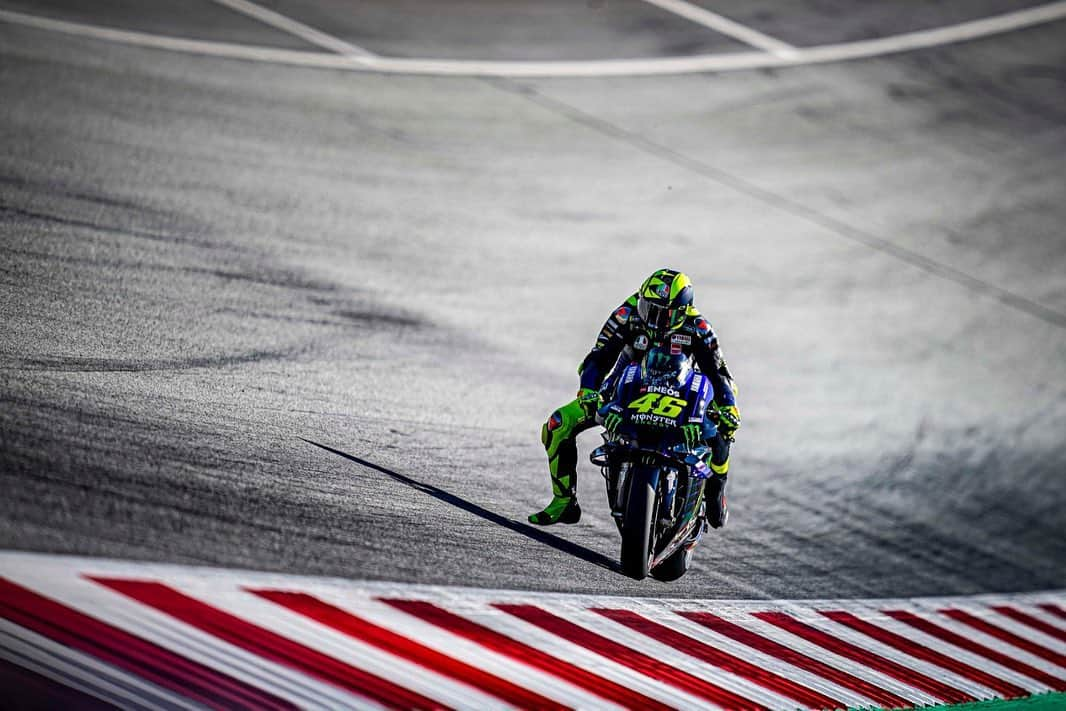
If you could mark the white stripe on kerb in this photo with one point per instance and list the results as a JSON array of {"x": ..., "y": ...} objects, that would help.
[
  {"x": 725, "y": 26},
  {"x": 923, "y": 39}
]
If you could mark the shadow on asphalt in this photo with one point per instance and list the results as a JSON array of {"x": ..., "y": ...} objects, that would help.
[{"x": 537, "y": 534}]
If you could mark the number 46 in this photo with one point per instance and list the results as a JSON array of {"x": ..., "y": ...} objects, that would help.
[{"x": 663, "y": 405}]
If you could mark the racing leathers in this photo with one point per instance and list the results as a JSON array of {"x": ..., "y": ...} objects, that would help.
[{"x": 624, "y": 339}]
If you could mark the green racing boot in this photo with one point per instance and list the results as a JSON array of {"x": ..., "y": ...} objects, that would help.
[{"x": 562, "y": 509}]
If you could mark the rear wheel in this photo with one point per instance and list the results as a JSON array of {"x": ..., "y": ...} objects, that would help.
[{"x": 637, "y": 524}]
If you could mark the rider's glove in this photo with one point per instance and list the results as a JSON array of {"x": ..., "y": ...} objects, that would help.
[
  {"x": 728, "y": 419},
  {"x": 589, "y": 400},
  {"x": 693, "y": 435}
]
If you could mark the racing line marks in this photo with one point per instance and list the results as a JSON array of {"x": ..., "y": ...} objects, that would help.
[
  {"x": 148, "y": 635},
  {"x": 352, "y": 58},
  {"x": 299, "y": 29},
  {"x": 727, "y": 27}
]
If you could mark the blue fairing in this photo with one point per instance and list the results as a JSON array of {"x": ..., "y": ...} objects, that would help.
[{"x": 695, "y": 393}]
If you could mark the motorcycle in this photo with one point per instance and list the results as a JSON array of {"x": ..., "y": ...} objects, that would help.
[{"x": 655, "y": 488}]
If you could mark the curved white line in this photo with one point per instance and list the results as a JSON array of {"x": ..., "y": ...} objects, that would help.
[{"x": 962, "y": 32}]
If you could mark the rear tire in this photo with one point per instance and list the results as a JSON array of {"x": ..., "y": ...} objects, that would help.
[{"x": 636, "y": 526}]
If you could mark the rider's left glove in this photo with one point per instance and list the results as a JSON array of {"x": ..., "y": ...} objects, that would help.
[
  {"x": 728, "y": 419},
  {"x": 589, "y": 400}
]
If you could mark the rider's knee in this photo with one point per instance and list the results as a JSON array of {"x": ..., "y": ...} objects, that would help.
[{"x": 552, "y": 429}]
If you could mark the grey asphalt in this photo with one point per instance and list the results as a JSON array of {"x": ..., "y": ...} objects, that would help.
[{"x": 310, "y": 321}]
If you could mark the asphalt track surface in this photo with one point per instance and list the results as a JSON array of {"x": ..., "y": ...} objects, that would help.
[{"x": 306, "y": 320}]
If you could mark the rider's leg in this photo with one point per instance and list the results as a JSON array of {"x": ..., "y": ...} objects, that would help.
[
  {"x": 717, "y": 511},
  {"x": 559, "y": 436}
]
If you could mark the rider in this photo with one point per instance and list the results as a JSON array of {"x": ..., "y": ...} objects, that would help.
[{"x": 660, "y": 313}]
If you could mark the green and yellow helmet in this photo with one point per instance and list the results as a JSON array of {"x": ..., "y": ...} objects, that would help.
[{"x": 663, "y": 302}]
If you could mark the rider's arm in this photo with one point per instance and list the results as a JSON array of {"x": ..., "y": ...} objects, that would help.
[
  {"x": 709, "y": 358},
  {"x": 609, "y": 345}
]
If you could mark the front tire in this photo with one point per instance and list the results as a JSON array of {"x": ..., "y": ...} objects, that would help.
[
  {"x": 675, "y": 566},
  {"x": 637, "y": 523}
]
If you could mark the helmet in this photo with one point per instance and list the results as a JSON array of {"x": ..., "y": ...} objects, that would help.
[
  {"x": 661, "y": 367},
  {"x": 663, "y": 302}
]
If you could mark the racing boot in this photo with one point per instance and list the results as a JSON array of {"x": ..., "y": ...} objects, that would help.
[
  {"x": 559, "y": 436},
  {"x": 717, "y": 510},
  {"x": 563, "y": 507}
]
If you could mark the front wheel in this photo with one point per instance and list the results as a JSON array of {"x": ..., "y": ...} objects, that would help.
[
  {"x": 637, "y": 523},
  {"x": 673, "y": 567}
]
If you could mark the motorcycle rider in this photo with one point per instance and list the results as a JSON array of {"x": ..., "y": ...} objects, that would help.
[{"x": 661, "y": 314}]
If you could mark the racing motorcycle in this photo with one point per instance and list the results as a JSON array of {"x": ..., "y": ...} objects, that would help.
[{"x": 655, "y": 482}]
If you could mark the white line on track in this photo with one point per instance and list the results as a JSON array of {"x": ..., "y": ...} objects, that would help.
[
  {"x": 287, "y": 24},
  {"x": 726, "y": 26},
  {"x": 923, "y": 39}
]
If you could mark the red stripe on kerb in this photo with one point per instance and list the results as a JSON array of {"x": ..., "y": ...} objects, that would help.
[
  {"x": 121, "y": 649},
  {"x": 919, "y": 651},
  {"x": 935, "y": 630},
  {"x": 718, "y": 658},
  {"x": 267, "y": 644},
  {"x": 1035, "y": 622},
  {"x": 502, "y": 644},
  {"x": 987, "y": 627},
  {"x": 1053, "y": 609},
  {"x": 401, "y": 646},
  {"x": 858, "y": 654},
  {"x": 796, "y": 659},
  {"x": 638, "y": 661}
]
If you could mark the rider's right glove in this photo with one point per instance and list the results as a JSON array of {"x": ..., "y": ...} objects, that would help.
[{"x": 693, "y": 435}]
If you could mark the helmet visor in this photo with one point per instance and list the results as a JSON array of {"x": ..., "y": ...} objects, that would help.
[{"x": 659, "y": 319}]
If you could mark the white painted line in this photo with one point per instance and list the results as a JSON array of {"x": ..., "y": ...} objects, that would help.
[
  {"x": 726, "y": 26},
  {"x": 661, "y": 66},
  {"x": 299, "y": 29}
]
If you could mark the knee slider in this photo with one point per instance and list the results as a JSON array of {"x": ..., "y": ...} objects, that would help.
[{"x": 553, "y": 425}]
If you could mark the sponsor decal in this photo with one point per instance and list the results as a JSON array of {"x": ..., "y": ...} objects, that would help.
[
  {"x": 622, "y": 314},
  {"x": 681, "y": 338},
  {"x": 702, "y": 325},
  {"x": 663, "y": 290},
  {"x": 652, "y": 420},
  {"x": 676, "y": 349},
  {"x": 554, "y": 421},
  {"x": 641, "y": 344},
  {"x": 661, "y": 389}
]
